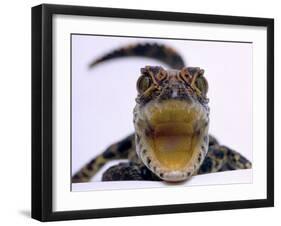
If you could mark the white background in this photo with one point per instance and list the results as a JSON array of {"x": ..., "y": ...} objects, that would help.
[
  {"x": 15, "y": 112},
  {"x": 103, "y": 97}
]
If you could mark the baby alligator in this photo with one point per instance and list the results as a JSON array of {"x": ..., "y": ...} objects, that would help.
[{"x": 171, "y": 119}]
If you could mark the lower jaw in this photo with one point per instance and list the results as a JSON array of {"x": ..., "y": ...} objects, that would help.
[{"x": 175, "y": 176}]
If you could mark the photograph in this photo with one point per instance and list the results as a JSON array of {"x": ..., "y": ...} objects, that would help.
[
  {"x": 140, "y": 112},
  {"x": 158, "y": 112}
]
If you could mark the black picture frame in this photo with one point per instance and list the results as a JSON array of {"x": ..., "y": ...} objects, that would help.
[{"x": 42, "y": 107}]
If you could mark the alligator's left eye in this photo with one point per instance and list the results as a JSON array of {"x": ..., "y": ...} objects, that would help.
[
  {"x": 143, "y": 83},
  {"x": 202, "y": 84}
]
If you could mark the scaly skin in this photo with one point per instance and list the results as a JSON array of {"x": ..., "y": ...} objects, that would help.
[{"x": 166, "y": 101}]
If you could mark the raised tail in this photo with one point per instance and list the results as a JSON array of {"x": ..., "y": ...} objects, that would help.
[
  {"x": 118, "y": 150},
  {"x": 155, "y": 51}
]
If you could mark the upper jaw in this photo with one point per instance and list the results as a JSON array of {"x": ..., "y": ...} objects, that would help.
[{"x": 189, "y": 117}]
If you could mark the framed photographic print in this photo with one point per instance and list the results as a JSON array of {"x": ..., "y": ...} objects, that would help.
[{"x": 145, "y": 112}]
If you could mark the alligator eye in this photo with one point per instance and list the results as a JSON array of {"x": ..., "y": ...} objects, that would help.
[
  {"x": 143, "y": 83},
  {"x": 202, "y": 84}
]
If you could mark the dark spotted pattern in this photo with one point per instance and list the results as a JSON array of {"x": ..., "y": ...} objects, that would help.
[
  {"x": 199, "y": 157},
  {"x": 108, "y": 154},
  {"x": 120, "y": 150},
  {"x": 156, "y": 51},
  {"x": 125, "y": 145},
  {"x": 129, "y": 171}
]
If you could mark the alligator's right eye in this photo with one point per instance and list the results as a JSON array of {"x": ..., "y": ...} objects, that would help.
[
  {"x": 143, "y": 83},
  {"x": 202, "y": 84}
]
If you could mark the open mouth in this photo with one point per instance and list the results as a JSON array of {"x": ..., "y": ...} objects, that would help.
[{"x": 175, "y": 133}]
